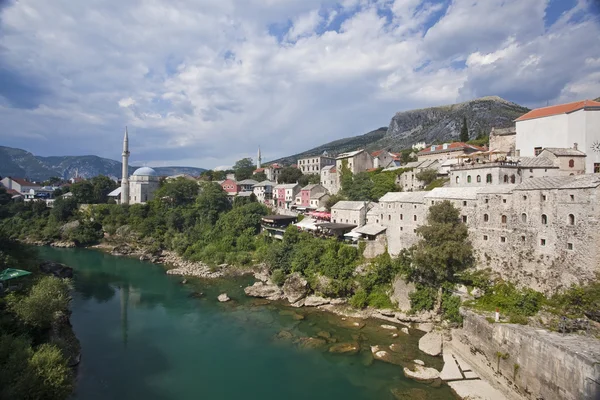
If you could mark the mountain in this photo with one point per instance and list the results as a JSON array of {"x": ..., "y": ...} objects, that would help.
[
  {"x": 21, "y": 163},
  {"x": 434, "y": 124}
]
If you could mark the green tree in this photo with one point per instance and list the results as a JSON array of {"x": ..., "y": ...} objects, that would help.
[
  {"x": 383, "y": 182},
  {"x": 289, "y": 175},
  {"x": 427, "y": 176},
  {"x": 332, "y": 200},
  {"x": 359, "y": 188},
  {"x": 211, "y": 202},
  {"x": 464, "y": 131},
  {"x": 243, "y": 169},
  {"x": 83, "y": 192},
  {"x": 4, "y": 197},
  {"x": 260, "y": 176},
  {"x": 178, "y": 192},
  {"x": 444, "y": 249},
  {"x": 64, "y": 208},
  {"x": 309, "y": 179}
]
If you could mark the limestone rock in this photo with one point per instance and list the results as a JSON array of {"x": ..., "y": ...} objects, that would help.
[
  {"x": 295, "y": 287},
  {"x": 260, "y": 289},
  {"x": 395, "y": 347},
  {"x": 121, "y": 250},
  {"x": 477, "y": 293},
  {"x": 314, "y": 301},
  {"x": 421, "y": 373},
  {"x": 418, "y": 362},
  {"x": 336, "y": 302},
  {"x": 425, "y": 327},
  {"x": 400, "y": 292},
  {"x": 57, "y": 269},
  {"x": 410, "y": 394},
  {"x": 431, "y": 343},
  {"x": 298, "y": 304},
  {"x": 310, "y": 343},
  {"x": 223, "y": 298},
  {"x": 345, "y": 348},
  {"x": 390, "y": 327},
  {"x": 284, "y": 335},
  {"x": 324, "y": 334},
  {"x": 322, "y": 283},
  {"x": 379, "y": 353},
  {"x": 404, "y": 330}
]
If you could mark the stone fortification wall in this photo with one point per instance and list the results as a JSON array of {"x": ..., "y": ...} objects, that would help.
[
  {"x": 534, "y": 363},
  {"x": 375, "y": 247},
  {"x": 504, "y": 140}
]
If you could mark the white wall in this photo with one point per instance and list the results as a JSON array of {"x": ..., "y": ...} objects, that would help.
[
  {"x": 592, "y": 121},
  {"x": 542, "y": 132}
]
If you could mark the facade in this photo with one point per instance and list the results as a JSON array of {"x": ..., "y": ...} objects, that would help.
[
  {"x": 408, "y": 180},
  {"x": 502, "y": 172},
  {"x": 247, "y": 185},
  {"x": 264, "y": 191},
  {"x": 330, "y": 179},
  {"x": 504, "y": 140},
  {"x": 303, "y": 199},
  {"x": 230, "y": 186},
  {"x": 350, "y": 212},
  {"x": 21, "y": 185},
  {"x": 445, "y": 151},
  {"x": 285, "y": 195},
  {"x": 271, "y": 171},
  {"x": 384, "y": 159},
  {"x": 568, "y": 161},
  {"x": 142, "y": 185},
  {"x": 318, "y": 200},
  {"x": 357, "y": 161},
  {"x": 314, "y": 165},
  {"x": 562, "y": 126}
]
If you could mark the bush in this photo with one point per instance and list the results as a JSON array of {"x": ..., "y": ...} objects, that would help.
[
  {"x": 450, "y": 308},
  {"x": 359, "y": 299},
  {"x": 423, "y": 298},
  {"x": 578, "y": 301},
  {"x": 278, "y": 277},
  {"x": 378, "y": 298},
  {"x": 510, "y": 300}
]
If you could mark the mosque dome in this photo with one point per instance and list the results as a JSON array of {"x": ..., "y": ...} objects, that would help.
[{"x": 145, "y": 171}]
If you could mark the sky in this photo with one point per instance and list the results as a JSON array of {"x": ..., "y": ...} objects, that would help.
[{"x": 205, "y": 82}]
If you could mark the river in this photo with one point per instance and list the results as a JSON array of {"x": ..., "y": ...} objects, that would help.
[{"x": 144, "y": 336}]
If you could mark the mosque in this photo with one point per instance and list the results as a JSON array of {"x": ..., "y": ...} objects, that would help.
[{"x": 137, "y": 188}]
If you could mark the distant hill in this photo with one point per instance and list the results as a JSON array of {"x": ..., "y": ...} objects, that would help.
[
  {"x": 21, "y": 163},
  {"x": 428, "y": 125}
]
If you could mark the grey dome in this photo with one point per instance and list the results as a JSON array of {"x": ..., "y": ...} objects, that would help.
[{"x": 145, "y": 171}]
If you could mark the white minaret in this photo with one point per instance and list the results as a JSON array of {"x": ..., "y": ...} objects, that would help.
[
  {"x": 125, "y": 173},
  {"x": 259, "y": 159}
]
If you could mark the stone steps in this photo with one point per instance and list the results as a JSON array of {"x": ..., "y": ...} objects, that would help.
[{"x": 466, "y": 384}]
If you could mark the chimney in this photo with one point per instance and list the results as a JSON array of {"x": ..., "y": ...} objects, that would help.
[
  {"x": 518, "y": 153},
  {"x": 575, "y": 146}
]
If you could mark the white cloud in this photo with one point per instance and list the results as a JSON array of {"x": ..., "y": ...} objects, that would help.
[{"x": 206, "y": 81}]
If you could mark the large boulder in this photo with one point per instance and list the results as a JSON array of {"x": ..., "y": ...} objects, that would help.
[
  {"x": 263, "y": 290},
  {"x": 431, "y": 343},
  {"x": 57, "y": 269},
  {"x": 423, "y": 374},
  {"x": 223, "y": 298},
  {"x": 345, "y": 348},
  {"x": 121, "y": 250},
  {"x": 295, "y": 287},
  {"x": 400, "y": 293},
  {"x": 314, "y": 301},
  {"x": 384, "y": 354}
]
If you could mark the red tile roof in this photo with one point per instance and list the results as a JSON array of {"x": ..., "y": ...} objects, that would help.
[
  {"x": 456, "y": 146},
  {"x": 558, "y": 109},
  {"x": 376, "y": 153},
  {"x": 24, "y": 182},
  {"x": 256, "y": 171},
  {"x": 12, "y": 192}
]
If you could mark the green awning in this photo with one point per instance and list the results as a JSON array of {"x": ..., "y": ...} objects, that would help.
[{"x": 11, "y": 273}]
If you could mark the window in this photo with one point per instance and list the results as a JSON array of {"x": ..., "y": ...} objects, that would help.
[
  {"x": 572, "y": 197},
  {"x": 513, "y": 179},
  {"x": 464, "y": 219},
  {"x": 502, "y": 239},
  {"x": 485, "y": 237},
  {"x": 537, "y": 151},
  {"x": 522, "y": 238},
  {"x": 569, "y": 246},
  {"x": 458, "y": 179},
  {"x": 571, "y": 219},
  {"x": 389, "y": 217},
  {"x": 401, "y": 228},
  {"x": 432, "y": 202},
  {"x": 544, "y": 219},
  {"x": 468, "y": 178},
  {"x": 415, "y": 206},
  {"x": 504, "y": 200},
  {"x": 464, "y": 203},
  {"x": 505, "y": 178},
  {"x": 524, "y": 197},
  {"x": 596, "y": 168},
  {"x": 478, "y": 178},
  {"x": 571, "y": 163},
  {"x": 488, "y": 178},
  {"x": 487, "y": 201},
  {"x": 486, "y": 218},
  {"x": 524, "y": 218},
  {"x": 542, "y": 242},
  {"x": 414, "y": 217},
  {"x": 504, "y": 219},
  {"x": 401, "y": 217},
  {"x": 414, "y": 231},
  {"x": 544, "y": 197}
]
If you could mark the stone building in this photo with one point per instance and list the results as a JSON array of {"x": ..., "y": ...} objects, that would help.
[
  {"x": 384, "y": 159},
  {"x": 445, "y": 151},
  {"x": 562, "y": 126},
  {"x": 568, "y": 161},
  {"x": 284, "y": 195},
  {"x": 264, "y": 191},
  {"x": 330, "y": 179},
  {"x": 357, "y": 161},
  {"x": 408, "y": 180},
  {"x": 504, "y": 140},
  {"x": 308, "y": 193},
  {"x": 350, "y": 212},
  {"x": 247, "y": 185},
  {"x": 313, "y": 165},
  {"x": 142, "y": 185},
  {"x": 542, "y": 233}
]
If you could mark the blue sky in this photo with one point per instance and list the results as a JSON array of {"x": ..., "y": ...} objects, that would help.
[{"x": 204, "y": 82}]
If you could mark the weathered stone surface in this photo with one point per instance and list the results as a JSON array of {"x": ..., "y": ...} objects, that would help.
[
  {"x": 322, "y": 283},
  {"x": 418, "y": 362},
  {"x": 477, "y": 293},
  {"x": 424, "y": 327},
  {"x": 470, "y": 375},
  {"x": 65, "y": 244},
  {"x": 476, "y": 390},
  {"x": 404, "y": 330},
  {"x": 314, "y": 301},
  {"x": 295, "y": 287},
  {"x": 345, "y": 348},
  {"x": 284, "y": 335},
  {"x": 410, "y": 394},
  {"x": 336, "y": 302},
  {"x": 310, "y": 343},
  {"x": 401, "y": 291},
  {"x": 324, "y": 334},
  {"x": 431, "y": 344},
  {"x": 298, "y": 304},
  {"x": 57, "y": 269},
  {"x": 390, "y": 327},
  {"x": 260, "y": 289},
  {"x": 294, "y": 315},
  {"x": 380, "y": 353},
  {"x": 223, "y": 298},
  {"x": 395, "y": 347},
  {"x": 122, "y": 250},
  {"x": 450, "y": 372},
  {"x": 421, "y": 373}
]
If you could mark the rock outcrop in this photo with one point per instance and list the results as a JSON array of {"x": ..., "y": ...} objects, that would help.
[
  {"x": 223, "y": 298},
  {"x": 400, "y": 293},
  {"x": 345, "y": 348},
  {"x": 263, "y": 290},
  {"x": 421, "y": 373},
  {"x": 295, "y": 287},
  {"x": 431, "y": 343},
  {"x": 315, "y": 301},
  {"x": 57, "y": 269}
]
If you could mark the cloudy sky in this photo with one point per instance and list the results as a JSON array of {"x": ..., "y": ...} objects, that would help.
[{"x": 204, "y": 82}]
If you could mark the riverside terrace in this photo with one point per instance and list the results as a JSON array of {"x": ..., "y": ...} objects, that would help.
[{"x": 276, "y": 225}]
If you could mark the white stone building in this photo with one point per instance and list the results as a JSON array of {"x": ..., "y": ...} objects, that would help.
[
  {"x": 357, "y": 161},
  {"x": 384, "y": 159},
  {"x": 142, "y": 185},
  {"x": 504, "y": 140},
  {"x": 21, "y": 185},
  {"x": 446, "y": 151},
  {"x": 313, "y": 165},
  {"x": 330, "y": 179},
  {"x": 562, "y": 126},
  {"x": 264, "y": 191},
  {"x": 408, "y": 180},
  {"x": 350, "y": 212}
]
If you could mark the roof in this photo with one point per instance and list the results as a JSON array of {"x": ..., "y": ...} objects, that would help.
[
  {"x": 145, "y": 171},
  {"x": 566, "y": 152},
  {"x": 546, "y": 182},
  {"x": 407, "y": 197},
  {"x": 245, "y": 194},
  {"x": 13, "y": 192},
  {"x": 447, "y": 147},
  {"x": 248, "y": 182},
  {"x": 311, "y": 186},
  {"x": 335, "y": 226},
  {"x": 349, "y": 205},
  {"x": 318, "y": 195},
  {"x": 535, "y": 162},
  {"x": 256, "y": 171},
  {"x": 349, "y": 154},
  {"x": 286, "y": 186},
  {"x": 272, "y": 218},
  {"x": 265, "y": 183},
  {"x": 559, "y": 109},
  {"x": 115, "y": 193},
  {"x": 23, "y": 182},
  {"x": 454, "y": 193},
  {"x": 370, "y": 229},
  {"x": 583, "y": 182},
  {"x": 329, "y": 167}
]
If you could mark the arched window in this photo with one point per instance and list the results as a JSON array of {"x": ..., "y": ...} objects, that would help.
[
  {"x": 468, "y": 178},
  {"x": 478, "y": 178},
  {"x": 488, "y": 178},
  {"x": 457, "y": 179},
  {"x": 505, "y": 178},
  {"x": 544, "y": 219},
  {"x": 571, "y": 163},
  {"x": 504, "y": 219},
  {"x": 571, "y": 219},
  {"x": 513, "y": 179},
  {"x": 523, "y": 217},
  {"x": 486, "y": 217}
]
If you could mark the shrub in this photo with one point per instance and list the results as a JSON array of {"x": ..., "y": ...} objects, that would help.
[
  {"x": 378, "y": 298},
  {"x": 510, "y": 300},
  {"x": 450, "y": 308},
  {"x": 423, "y": 298},
  {"x": 278, "y": 277},
  {"x": 359, "y": 299}
]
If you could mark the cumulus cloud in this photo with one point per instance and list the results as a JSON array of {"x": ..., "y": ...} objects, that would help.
[{"x": 204, "y": 82}]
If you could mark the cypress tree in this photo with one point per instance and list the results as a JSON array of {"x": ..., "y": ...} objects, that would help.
[{"x": 464, "y": 132}]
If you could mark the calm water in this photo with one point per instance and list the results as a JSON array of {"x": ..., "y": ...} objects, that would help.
[{"x": 144, "y": 337}]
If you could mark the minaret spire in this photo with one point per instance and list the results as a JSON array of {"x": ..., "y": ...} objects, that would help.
[
  {"x": 259, "y": 159},
  {"x": 125, "y": 170}
]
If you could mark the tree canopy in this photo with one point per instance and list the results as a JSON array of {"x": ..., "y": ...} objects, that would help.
[
  {"x": 289, "y": 175},
  {"x": 464, "y": 131},
  {"x": 243, "y": 169},
  {"x": 94, "y": 190},
  {"x": 179, "y": 191}
]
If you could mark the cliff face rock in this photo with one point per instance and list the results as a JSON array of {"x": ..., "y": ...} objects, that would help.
[{"x": 444, "y": 123}]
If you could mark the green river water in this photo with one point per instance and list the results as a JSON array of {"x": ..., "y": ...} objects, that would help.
[{"x": 144, "y": 336}]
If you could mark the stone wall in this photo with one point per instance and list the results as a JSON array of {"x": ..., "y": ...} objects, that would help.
[
  {"x": 375, "y": 247},
  {"x": 528, "y": 362},
  {"x": 503, "y": 140}
]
